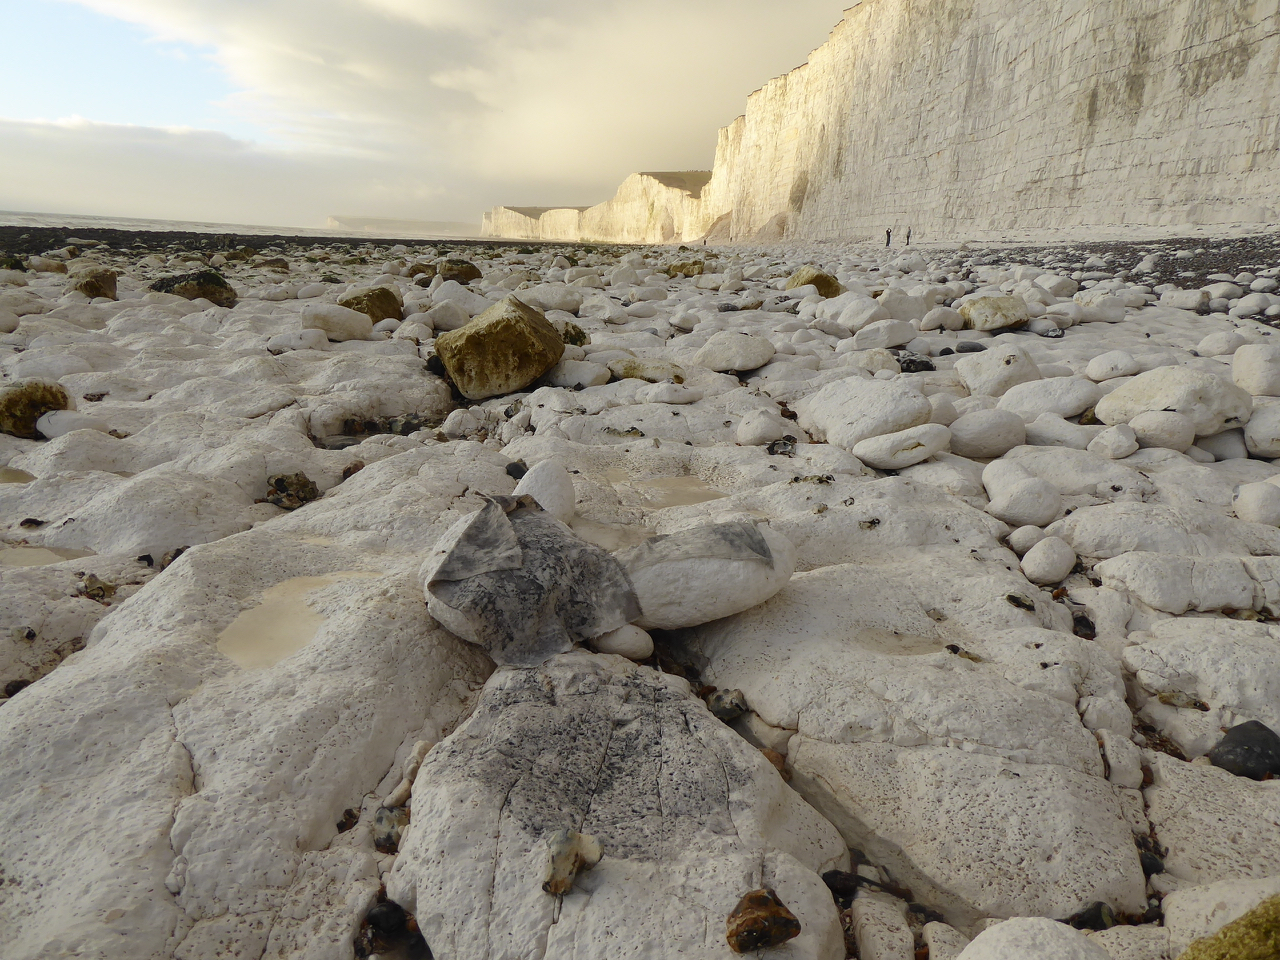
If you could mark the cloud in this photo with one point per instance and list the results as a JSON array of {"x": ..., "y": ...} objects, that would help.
[{"x": 438, "y": 108}]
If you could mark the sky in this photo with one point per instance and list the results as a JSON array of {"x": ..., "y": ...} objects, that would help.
[{"x": 284, "y": 112}]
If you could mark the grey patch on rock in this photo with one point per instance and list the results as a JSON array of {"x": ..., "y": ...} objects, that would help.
[
  {"x": 518, "y": 583},
  {"x": 388, "y": 825},
  {"x": 736, "y": 540}
]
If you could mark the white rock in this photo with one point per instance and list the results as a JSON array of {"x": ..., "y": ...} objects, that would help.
[
  {"x": 1161, "y": 428},
  {"x": 849, "y": 411},
  {"x": 1115, "y": 443},
  {"x": 706, "y": 573},
  {"x": 8, "y": 321},
  {"x": 551, "y": 485},
  {"x": 56, "y": 423},
  {"x": 894, "y": 451},
  {"x": 880, "y": 928},
  {"x": 465, "y": 298},
  {"x": 1017, "y": 497},
  {"x": 1213, "y": 404},
  {"x": 1228, "y": 445},
  {"x": 1262, "y": 432},
  {"x": 985, "y": 434},
  {"x": 337, "y": 323},
  {"x": 995, "y": 370},
  {"x": 448, "y": 315},
  {"x": 904, "y": 306},
  {"x": 555, "y": 296},
  {"x": 942, "y": 318},
  {"x": 760, "y": 427},
  {"x": 944, "y": 411},
  {"x": 1050, "y": 430},
  {"x": 1197, "y": 300},
  {"x": 1224, "y": 343},
  {"x": 995, "y": 313},
  {"x": 577, "y": 373},
  {"x": 733, "y": 350},
  {"x": 1024, "y": 538},
  {"x": 861, "y": 312},
  {"x": 460, "y": 423},
  {"x": 1257, "y": 503},
  {"x": 629, "y": 641},
  {"x": 1024, "y": 938},
  {"x": 884, "y": 334},
  {"x": 1114, "y": 363},
  {"x": 1063, "y": 396},
  {"x": 1255, "y": 368},
  {"x": 1049, "y": 561}
]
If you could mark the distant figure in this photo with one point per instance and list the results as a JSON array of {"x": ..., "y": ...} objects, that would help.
[
  {"x": 908, "y": 236},
  {"x": 888, "y": 238}
]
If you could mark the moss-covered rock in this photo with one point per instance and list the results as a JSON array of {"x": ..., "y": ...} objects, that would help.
[
  {"x": 23, "y": 402},
  {"x": 95, "y": 282},
  {"x": 378, "y": 303},
  {"x": 570, "y": 332},
  {"x": 464, "y": 271},
  {"x": 207, "y": 284},
  {"x": 687, "y": 268},
  {"x": 827, "y": 285},
  {"x": 1255, "y": 936},
  {"x": 427, "y": 270},
  {"x": 504, "y": 349}
]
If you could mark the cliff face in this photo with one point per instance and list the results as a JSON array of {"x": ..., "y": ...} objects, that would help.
[{"x": 955, "y": 116}]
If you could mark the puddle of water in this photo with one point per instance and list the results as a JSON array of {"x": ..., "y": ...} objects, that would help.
[
  {"x": 38, "y": 556},
  {"x": 13, "y": 475},
  {"x": 609, "y": 536},
  {"x": 881, "y": 640},
  {"x": 661, "y": 492},
  {"x": 281, "y": 623}
]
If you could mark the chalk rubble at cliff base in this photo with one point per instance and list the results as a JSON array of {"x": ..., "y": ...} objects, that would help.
[{"x": 973, "y": 558}]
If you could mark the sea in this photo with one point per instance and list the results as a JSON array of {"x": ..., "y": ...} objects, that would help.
[{"x": 337, "y": 227}]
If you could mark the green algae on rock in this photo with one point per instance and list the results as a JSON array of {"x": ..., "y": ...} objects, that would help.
[
  {"x": 504, "y": 349},
  {"x": 1255, "y": 936},
  {"x": 24, "y": 402},
  {"x": 207, "y": 284},
  {"x": 378, "y": 303}
]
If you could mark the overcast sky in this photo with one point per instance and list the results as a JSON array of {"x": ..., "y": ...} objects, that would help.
[{"x": 282, "y": 112}]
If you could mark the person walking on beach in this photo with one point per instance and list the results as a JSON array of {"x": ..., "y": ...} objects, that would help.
[{"x": 888, "y": 238}]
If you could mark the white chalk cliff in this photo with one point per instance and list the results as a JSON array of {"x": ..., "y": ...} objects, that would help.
[{"x": 977, "y": 116}]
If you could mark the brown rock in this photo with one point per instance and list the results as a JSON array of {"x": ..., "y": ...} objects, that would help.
[
  {"x": 378, "y": 303},
  {"x": 504, "y": 349},
  {"x": 24, "y": 402},
  {"x": 828, "y": 286},
  {"x": 427, "y": 270},
  {"x": 760, "y": 921},
  {"x": 688, "y": 268},
  {"x": 464, "y": 271},
  {"x": 207, "y": 284},
  {"x": 95, "y": 282}
]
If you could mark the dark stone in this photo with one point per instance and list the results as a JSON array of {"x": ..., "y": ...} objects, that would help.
[
  {"x": 786, "y": 447},
  {"x": 388, "y": 823},
  {"x": 516, "y": 469},
  {"x": 351, "y": 469},
  {"x": 946, "y": 352},
  {"x": 914, "y": 363},
  {"x": 389, "y": 930},
  {"x": 1097, "y": 916},
  {"x": 843, "y": 886},
  {"x": 1151, "y": 864},
  {"x": 171, "y": 556},
  {"x": 13, "y": 263},
  {"x": 339, "y": 442},
  {"x": 760, "y": 921},
  {"x": 350, "y": 817},
  {"x": 31, "y": 523},
  {"x": 14, "y": 687},
  {"x": 1057, "y": 334},
  {"x": 1248, "y": 750},
  {"x": 727, "y": 705},
  {"x": 209, "y": 284},
  {"x": 291, "y": 490},
  {"x": 969, "y": 346}
]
